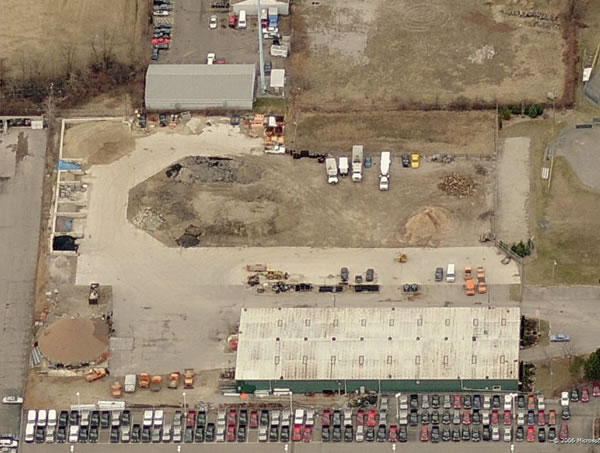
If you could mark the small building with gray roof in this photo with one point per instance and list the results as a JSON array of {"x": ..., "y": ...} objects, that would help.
[
  {"x": 181, "y": 87},
  {"x": 388, "y": 349}
]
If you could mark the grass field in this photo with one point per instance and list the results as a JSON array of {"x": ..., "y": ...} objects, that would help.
[
  {"x": 357, "y": 54},
  {"x": 43, "y": 37}
]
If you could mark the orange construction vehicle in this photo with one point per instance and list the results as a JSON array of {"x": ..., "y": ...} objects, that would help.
[
  {"x": 188, "y": 378},
  {"x": 156, "y": 383},
  {"x": 470, "y": 287},
  {"x": 116, "y": 390},
  {"x": 468, "y": 273},
  {"x": 94, "y": 374},
  {"x": 481, "y": 285},
  {"x": 174, "y": 379},
  {"x": 144, "y": 380}
]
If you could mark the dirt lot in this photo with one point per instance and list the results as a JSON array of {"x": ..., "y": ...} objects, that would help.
[
  {"x": 40, "y": 37},
  {"x": 402, "y": 52},
  {"x": 278, "y": 201},
  {"x": 408, "y": 131},
  {"x": 99, "y": 142}
]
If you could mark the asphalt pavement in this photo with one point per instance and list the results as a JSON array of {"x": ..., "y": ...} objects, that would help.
[{"x": 20, "y": 208}]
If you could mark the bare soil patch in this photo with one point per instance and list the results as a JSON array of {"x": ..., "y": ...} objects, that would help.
[
  {"x": 100, "y": 142},
  {"x": 278, "y": 201}
]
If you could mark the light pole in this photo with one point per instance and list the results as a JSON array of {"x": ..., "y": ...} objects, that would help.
[
  {"x": 78, "y": 401},
  {"x": 554, "y": 264},
  {"x": 184, "y": 405},
  {"x": 394, "y": 446},
  {"x": 512, "y": 447}
]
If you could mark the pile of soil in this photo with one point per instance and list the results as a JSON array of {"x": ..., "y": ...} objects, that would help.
[
  {"x": 199, "y": 169},
  {"x": 426, "y": 224},
  {"x": 74, "y": 341}
]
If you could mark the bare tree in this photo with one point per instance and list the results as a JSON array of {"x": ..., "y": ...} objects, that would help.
[
  {"x": 68, "y": 54},
  {"x": 102, "y": 45}
]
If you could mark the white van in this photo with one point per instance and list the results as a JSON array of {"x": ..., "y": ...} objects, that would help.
[
  {"x": 29, "y": 432},
  {"x": 41, "y": 418},
  {"x": 52, "y": 417},
  {"x": 450, "y": 274},
  {"x": 242, "y": 19},
  {"x": 31, "y": 416}
]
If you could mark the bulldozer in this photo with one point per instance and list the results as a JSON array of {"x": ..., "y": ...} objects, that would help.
[
  {"x": 174, "y": 380},
  {"x": 144, "y": 380},
  {"x": 116, "y": 390},
  {"x": 94, "y": 374},
  {"x": 156, "y": 383},
  {"x": 188, "y": 378},
  {"x": 401, "y": 258}
]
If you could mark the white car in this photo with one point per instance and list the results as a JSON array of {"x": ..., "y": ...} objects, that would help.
[
  {"x": 148, "y": 418},
  {"x": 73, "y": 434},
  {"x": 495, "y": 434},
  {"x": 52, "y": 417},
  {"x": 299, "y": 417},
  {"x": 507, "y": 434},
  {"x": 12, "y": 400},
  {"x": 541, "y": 403},
  {"x": 160, "y": 13},
  {"x": 564, "y": 399},
  {"x": 508, "y": 399},
  {"x": 158, "y": 418},
  {"x": 487, "y": 401},
  {"x": 41, "y": 418},
  {"x": 213, "y": 22},
  {"x": 521, "y": 419},
  {"x": 210, "y": 58},
  {"x": 485, "y": 415},
  {"x": 360, "y": 433}
]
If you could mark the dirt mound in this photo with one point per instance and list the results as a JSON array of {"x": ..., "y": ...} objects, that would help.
[
  {"x": 74, "y": 341},
  {"x": 426, "y": 224}
]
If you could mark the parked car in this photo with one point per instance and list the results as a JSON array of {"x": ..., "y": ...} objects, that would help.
[
  {"x": 344, "y": 274},
  {"x": 551, "y": 434},
  {"x": 405, "y": 160},
  {"x": 213, "y": 22},
  {"x": 268, "y": 66},
  {"x": 560, "y": 338},
  {"x": 495, "y": 434},
  {"x": 541, "y": 435},
  {"x": 596, "y": 389},
  {"x": 210, "y": 58},
  {"x": 530, "y": 434},
  {"x": 574, "y": 395},
  {"x": 585, "y": 395},
  {"x": 564, "y": 431},
  {"x": 424, "y": 436},
  {"x": 467, "y": 402},
  {"x": 520, "y": 434},
  {"x": 368, "y": 162},
  {"x": 11, "y": 399}
]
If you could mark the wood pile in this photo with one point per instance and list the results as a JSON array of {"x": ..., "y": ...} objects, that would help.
[{"x": 457, "y": 185}]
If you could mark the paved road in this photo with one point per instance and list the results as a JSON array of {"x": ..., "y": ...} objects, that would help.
[
  {"x": 20, "y": 208},
  {"x": 315, "y": 447}
]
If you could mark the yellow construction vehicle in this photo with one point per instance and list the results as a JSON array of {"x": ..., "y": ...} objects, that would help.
[
  {"x": 401, "y": 258},
  {"x": 116, "y": 390}
]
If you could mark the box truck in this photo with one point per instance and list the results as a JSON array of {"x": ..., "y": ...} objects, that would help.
[
  {"x": 357, "y": 159},
  {"x": 331, "y": 168}
]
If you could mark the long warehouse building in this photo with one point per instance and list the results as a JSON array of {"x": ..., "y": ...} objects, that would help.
[{"x": 389, "y": 349}]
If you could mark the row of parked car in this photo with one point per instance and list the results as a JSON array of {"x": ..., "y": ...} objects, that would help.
[{"x": 161, "y": 34}]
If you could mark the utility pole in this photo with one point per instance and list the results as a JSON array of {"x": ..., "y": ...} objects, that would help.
[{"x": 263, "y": 87}]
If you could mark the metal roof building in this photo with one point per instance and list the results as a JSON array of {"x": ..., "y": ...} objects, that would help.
[
  {"x": 177, "y": 87},
  {"x": 381, "y": 349}
]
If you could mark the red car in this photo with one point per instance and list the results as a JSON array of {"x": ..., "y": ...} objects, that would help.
[
  {"x": 530, "y": 434},
  {"x": 253, "y": 419},
  {"x": 424, "y": 434},
  {"x": 507, "y": 418},
  {"x": 231, "y": 433},
  {"x": 541, "y": 418},
  {"x": 585, "y": 395},
  {"x": 360, "y": 417},
  {"x": 191, "y": 419},
  {"x": 530, "y": 403},
  {"x": 371, "y": 418},
  {"x": 231, "y": 417},
  {"x": 564, "y": 431},
  {"x": 552, "y": 417},
  {"x": 596, "y": 389},
  {"x": 307, "y": 434},
  {"x": 297, "y": 433},
  {"x": 457, "y": 402},
  {"x": 326, "y": 418},
  {"x": 494, "y": 418},
  {"x": 393, "y": 434},
  {"x": 466, "y": 418}
]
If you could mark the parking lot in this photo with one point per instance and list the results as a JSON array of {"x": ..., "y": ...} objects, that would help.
[{"x": 423, "y": 418}]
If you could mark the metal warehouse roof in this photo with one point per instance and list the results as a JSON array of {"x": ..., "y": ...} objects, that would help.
[
  {"x": 378, "y": 343},
  {"x": 187, "y": 84}
]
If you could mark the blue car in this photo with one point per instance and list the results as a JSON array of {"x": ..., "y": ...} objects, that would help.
[{"x": 368, "y": 162}]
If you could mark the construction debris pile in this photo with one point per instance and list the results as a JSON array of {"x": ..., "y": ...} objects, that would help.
[
  {"x": 443, "y": 158},
  {"x": 272, "y": 129},
  {"x": 457, "y": 185},
  {"x": 540, "y": 19}
]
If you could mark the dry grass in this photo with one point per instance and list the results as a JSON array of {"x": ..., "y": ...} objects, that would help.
[{"x": 553, "y": 376}]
